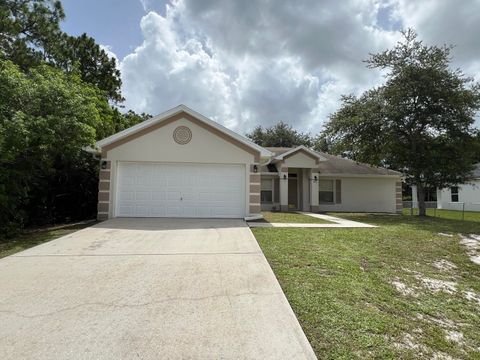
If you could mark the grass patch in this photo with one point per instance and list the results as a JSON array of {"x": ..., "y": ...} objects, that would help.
[
  {"x": 447, "y": 214},
  {"x": 346, "y": 286},
  {"x": 289, "y": 217},
  {"x": 37, "y": 237}
]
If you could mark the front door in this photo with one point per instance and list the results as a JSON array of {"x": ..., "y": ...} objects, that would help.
[{"x": 292, "y": 192}]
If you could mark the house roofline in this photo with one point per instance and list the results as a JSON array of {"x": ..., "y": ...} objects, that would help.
[
  {"x": 339, "y": 175},
  {"x": 174, "y": 111},
  {"x": 299, "y": 148}
]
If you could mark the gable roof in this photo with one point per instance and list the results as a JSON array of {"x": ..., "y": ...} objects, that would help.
[
  {"x": 291, "y": 151},
  {"x": 175, "y": 111},
  {"x": 336, "y": 165}
]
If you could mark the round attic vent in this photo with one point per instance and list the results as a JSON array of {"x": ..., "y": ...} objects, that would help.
[{"x": 182, "y": 135}]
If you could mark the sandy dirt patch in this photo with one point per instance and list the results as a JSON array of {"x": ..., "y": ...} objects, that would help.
[
  {"x": 437, "y": 285},
  {"x": 454, "y": 336},
  {"x": 403, "y": 289},
  {"x": 444, "y": 265},
  {"x": 472, "y": 243},
  {"x": 470, "y": 295}
]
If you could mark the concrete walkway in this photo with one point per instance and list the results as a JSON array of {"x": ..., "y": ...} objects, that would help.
[
  {"x": 147, "y": 289},
  {"x": 337, "y": 223}
]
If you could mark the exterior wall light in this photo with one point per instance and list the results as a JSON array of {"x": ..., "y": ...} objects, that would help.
[
  {"x": 103, "y": 165},
  {"x": 284, "y": 176},
  {"x": 255, "y": 168}
]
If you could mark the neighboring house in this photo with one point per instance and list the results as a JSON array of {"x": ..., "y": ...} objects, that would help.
[
  {"x": 181, "y": 164},
  {"x": 463, "y": 196}
]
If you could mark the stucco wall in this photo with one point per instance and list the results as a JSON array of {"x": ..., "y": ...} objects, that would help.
[
  {"x": 299, "y": 160},
  {"x": 365, "y": 195},
  {"x": 467, "y": 193},
  {"x": 159, "y": 146}
]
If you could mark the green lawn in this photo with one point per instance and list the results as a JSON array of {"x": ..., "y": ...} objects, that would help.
[
  {"x": 290, "y": 217},
  {"x": 29, "y": 239},
  {"x": 448, "y": 214},
  {"x": 399, "y": 291}
]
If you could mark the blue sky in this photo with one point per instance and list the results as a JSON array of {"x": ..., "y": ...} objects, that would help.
[
  {"x": 110, "y": 22},
  {"x": 245, "y": 63}
]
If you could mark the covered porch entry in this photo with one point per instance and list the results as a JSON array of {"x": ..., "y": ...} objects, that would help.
[{"x": 290, "y": 181}]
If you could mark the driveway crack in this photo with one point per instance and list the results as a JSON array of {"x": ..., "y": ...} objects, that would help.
[{"x": 146, "y": 304}]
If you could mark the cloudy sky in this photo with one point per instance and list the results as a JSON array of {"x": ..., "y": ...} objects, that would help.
[{"x": 248, "y": 63}]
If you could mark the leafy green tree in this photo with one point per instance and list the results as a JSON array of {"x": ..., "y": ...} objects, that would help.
[
  {"x": 322, "y": 143},
  {"x": 30, "y": 34},
  {"x": 55, "y": 94},
  {"x": 421, "y": 121},
  {"x": 279, "y": 135},
  {"x": 129, "y": 119},
  {"x": 29, "y": 30},
  {"x": 46, "y": 118},
  {"x": 83, "y": 54}
]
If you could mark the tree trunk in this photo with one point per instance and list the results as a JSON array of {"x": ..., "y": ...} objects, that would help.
[{"x": 422, "y": 210}]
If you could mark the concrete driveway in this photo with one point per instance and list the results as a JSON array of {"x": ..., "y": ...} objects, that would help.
[{"x": 147, "y": 289}]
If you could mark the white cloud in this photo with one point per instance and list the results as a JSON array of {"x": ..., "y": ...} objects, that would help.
[{"x": 250, "y": 63}]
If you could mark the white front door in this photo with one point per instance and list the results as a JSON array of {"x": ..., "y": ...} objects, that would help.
[{"x": 180, "y": 190}]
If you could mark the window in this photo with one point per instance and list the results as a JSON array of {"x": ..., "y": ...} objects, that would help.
[
  {"x": 325, "y": 193},
  {"x": 266, "y": 191},
  {"x": 454, "y": 191}
]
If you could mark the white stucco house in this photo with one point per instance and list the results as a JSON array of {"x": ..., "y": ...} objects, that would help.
[
  {"x": 182, "y": 164},
  {"x": 463, "y": 196}
]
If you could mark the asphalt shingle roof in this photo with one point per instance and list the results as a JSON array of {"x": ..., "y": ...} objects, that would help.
[{"x": 339, "y": 165}]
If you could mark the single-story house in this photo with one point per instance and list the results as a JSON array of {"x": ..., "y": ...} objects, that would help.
[
  {"x": 463, "y": 196},
  {"x": 182, "y": 164}
]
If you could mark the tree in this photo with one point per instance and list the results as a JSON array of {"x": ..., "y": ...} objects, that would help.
[
  {"x": 421, "y": 121},
  {"x": 94, "y": 65},
  {"x": 30, "y": 34},
  {"x": 55, "y": 99},
  {"x": 279, "y": 135},
  {"x": 46, "y": 118},
  {"x": 131, "y": 118},
  {"x": 322, "y": 143},
  {"x": 29, "y": 30}
]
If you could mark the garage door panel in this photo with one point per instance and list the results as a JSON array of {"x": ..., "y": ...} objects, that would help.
[
  {"x": 188, "y": 195},
  {"x": 142, "y": 195},
  {"x": 128, "y": 180},
  {"x": 158, "y": 195},
  {"x": 141, "y": 211},
  {"x": 173, "y": 211},
  {"x": 158, "y": 211},
  {"x": 125, "y": 211},
  {"x": 173, "y": 195},
  {"x": 180, "y": 190}
]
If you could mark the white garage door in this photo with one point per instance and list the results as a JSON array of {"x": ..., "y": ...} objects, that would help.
[{"x": 178, "y": 190}]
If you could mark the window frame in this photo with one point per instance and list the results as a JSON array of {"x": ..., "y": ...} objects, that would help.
[
  {"x": 332, "y": 191},
  {"x": 454, "y": 194},
  {"x": 267, "y": 191}
]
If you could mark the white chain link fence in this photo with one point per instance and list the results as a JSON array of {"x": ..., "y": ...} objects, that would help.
[{"x": 411, "y": 208}]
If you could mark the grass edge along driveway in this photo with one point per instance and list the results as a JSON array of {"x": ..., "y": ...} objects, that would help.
[
  {"x": 407, "y": 289},
  {"x": 29, "y": 239},
  {"x": 290, "y": 217}
]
